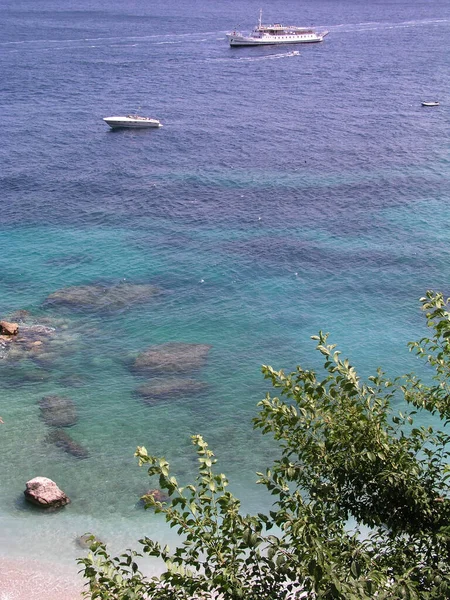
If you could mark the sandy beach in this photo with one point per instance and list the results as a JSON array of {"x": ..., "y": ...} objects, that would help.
[{"x": 34, "y": 580}]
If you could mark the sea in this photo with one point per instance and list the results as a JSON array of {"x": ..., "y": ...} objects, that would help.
[{"x": 285, "y": 194}]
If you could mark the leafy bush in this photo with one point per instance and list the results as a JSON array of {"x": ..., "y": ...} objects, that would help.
[{"x": 361, "y": 496}]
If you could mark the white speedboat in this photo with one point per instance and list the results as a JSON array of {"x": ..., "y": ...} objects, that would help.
[
  {"x": 430, "y": 103},
  {"x": 263, "y": 35},
  {"x": 131, "y": 121}
]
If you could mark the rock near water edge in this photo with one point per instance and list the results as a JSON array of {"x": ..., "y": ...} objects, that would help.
[
  {"x": 7, "y": 328},
  {"x": 44, "y": 492}
]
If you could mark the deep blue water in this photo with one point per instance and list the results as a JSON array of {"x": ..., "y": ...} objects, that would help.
[{"x": 284, "y": 194}]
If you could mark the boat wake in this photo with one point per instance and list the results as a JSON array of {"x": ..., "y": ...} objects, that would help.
[
  {"x": 267, "y": 57},
  {"x": 106, "y": 42},
  {"x": 195, "y": 38},
  {"x": 379, "y": 26},
  {"x": 254, "y": 58}
]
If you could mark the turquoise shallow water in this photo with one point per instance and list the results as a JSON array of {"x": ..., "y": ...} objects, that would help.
[
  {"x": 281, "y": 197},
  {"x": 251, "y": 312}
]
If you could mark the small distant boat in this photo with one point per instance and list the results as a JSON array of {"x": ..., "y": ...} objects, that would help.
[
  {"x": 430, "y": 103},
  {"x": 131, "y": 122},
  {"x": 263, "y": 35}
]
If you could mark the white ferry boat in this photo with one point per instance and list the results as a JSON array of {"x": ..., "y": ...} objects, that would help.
[
  {"x": 275, "y": 34},
  {"x": 131, "y": 121}
]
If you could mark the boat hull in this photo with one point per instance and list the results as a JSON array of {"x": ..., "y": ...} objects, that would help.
[
  {"x": 127, "y": 123},
  {"x": 269, "y": 43},
  {"x": 240, "y": 40}
]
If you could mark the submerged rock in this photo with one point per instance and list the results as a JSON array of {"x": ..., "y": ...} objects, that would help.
[
  {"x": 44, "y": 342},
  {"x": 173, "y": 357},
  {"x": 28, "y": 342},
  {"x": 34, "y": 376},
  {"x": 45, "y": 493},
  {"x": 35, "y": 332},
  {"x": 58, "y": 411},
  {"x": 73, "y": 380},
  {"x": 69, "y": 259},
  {"x": 165, "y": 389},
  {"x": 84, "y": 541},
  {"x": 5, "y": 344},
  {"x": 62, "y": 440},
  {"x": 103, "y": 297},
  {"x": 23, "y": 374},
  {"x": 157, "y": 494},
  {"x": 20, "y": 315}
]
